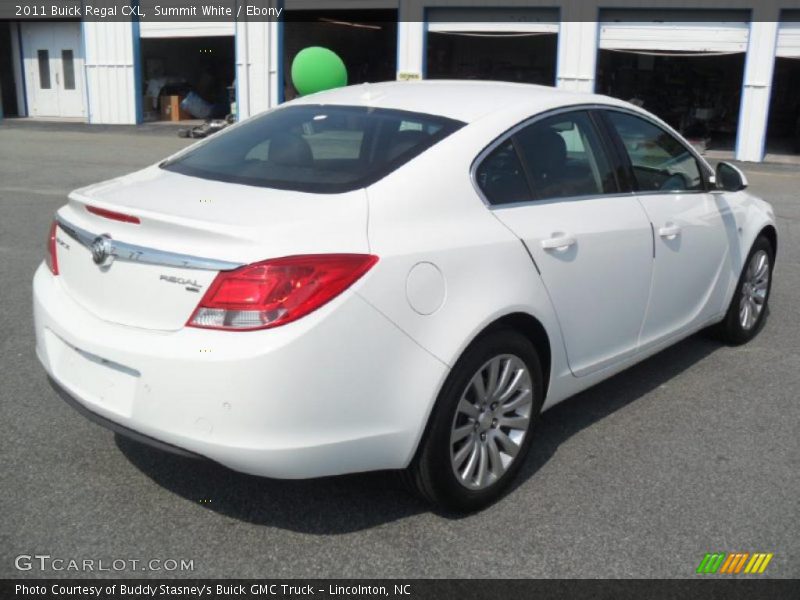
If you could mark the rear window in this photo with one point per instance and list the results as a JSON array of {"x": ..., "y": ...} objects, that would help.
[{"x": 320, "y": 149}]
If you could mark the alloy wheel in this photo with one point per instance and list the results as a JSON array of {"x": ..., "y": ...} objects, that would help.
[
  {"x": 491, "y": 421},
  {"x": 754, "y": 290}
]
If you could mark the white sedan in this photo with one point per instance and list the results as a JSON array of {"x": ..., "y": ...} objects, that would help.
[{"x": 394, "y": 276}]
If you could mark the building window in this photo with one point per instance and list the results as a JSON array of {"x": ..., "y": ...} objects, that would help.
[
  {"x": 44, "y": 69},
  {"x": 68, "y": 66}
]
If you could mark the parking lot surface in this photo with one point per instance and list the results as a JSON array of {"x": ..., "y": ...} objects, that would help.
[{"x": 694, "y": 450}]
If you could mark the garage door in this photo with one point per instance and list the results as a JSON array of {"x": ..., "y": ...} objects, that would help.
[
  {"x": 153, "y": 29},
  {"x": 520, "y": 20},
  {"x": 518, "y": 45},
  {"x": 675, "y": 31},
  {"x": 789, "y": 37}
]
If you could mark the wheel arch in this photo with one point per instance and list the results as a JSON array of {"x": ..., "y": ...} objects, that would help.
[
  {"x": 519, "y": 321},
  {"x": 533, "y": 330},
  {"x": 771, "y": 234}
]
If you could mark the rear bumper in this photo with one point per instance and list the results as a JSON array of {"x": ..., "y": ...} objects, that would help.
[
  {"x": 116, "y": 427},
  {"x": 341, "y": 390}
]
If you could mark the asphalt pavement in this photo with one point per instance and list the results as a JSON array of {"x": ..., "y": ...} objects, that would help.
[{"x": 694, "y": 450}]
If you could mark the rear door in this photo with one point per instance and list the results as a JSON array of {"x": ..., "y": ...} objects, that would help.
[
  {"x": 554, "y": 183},
  {"x": 692, "y": 227}
]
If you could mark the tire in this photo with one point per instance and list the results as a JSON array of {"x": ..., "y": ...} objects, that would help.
[
  {"x": 735, "y": 329},
  {"x": 432, "y": 473}
]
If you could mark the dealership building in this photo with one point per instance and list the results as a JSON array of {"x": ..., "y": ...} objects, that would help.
[{"x": 726, "y": 74}]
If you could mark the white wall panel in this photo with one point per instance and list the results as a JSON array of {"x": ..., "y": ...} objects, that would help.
[
  {"x": 168, "y": 29},
  {"x": 256, "y": 66},
  {"x": 411, "y": 44},
  {"x": 110, "y": 78},
  {"x": 577, "y": 56}
]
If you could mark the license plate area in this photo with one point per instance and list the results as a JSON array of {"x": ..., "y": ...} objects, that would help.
[{"x": 93, "y": 379}]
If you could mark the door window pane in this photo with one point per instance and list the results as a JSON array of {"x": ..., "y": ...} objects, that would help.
[
  {"x": 68, "y": 66},
  {"x": 564, "y": 158},
  {"x": 44, "y": 69},
  {"x": 660, "y": 162},
  {"x": 501, "y": 177}
]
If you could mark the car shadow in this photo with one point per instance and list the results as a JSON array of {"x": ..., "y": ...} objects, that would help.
[
  {"x": 592, "y": 405},
  {"x": 349, "y": 503}
]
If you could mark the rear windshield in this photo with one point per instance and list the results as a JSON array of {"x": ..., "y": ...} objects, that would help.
[{"x": 320, "y": 149}]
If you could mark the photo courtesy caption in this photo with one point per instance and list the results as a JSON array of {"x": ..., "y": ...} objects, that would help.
[{"x": 204, "y": 590}]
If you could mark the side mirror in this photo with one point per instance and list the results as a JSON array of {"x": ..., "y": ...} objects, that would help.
[{"x": 730, "y": 178}]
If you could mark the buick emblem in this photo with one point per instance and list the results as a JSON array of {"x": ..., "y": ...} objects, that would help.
[{"x": 101, "y": 250}]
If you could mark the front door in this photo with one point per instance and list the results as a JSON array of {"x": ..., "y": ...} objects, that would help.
[
  {"x": 692, "y": 227},
  {"x": 554, "y": 185},
  {"x": 53, "y": 69}
]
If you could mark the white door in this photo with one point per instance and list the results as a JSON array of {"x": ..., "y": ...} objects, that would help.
[
  {"x": 591, "y": 243},
  {"x": 53, "y": 69},
  {"x": 692, "y": 228}
]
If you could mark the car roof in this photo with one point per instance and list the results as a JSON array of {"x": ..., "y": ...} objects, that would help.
[{"x": 466, "y": 100}]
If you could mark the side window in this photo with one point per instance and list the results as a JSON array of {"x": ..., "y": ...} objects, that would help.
[
  {"x": 564, "y": 158},
  {"x": 500, "y": 176},
  {"x": 660, "y": 162}
]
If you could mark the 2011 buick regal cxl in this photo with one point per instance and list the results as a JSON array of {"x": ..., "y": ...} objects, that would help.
[{"x": 394, "y": 276}]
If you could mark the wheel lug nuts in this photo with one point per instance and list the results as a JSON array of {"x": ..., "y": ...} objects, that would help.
[
  {"x": 483, "y": 437},
  {"x": 494, "y": 406},
  {"x": 494, "y": 422}
]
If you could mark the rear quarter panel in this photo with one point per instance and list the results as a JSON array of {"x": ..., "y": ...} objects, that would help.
[{"x": 429, "y": 212}]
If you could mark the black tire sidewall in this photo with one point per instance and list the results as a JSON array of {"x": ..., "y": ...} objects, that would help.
[
  {"x": 434, "y": 458},
  {"x": 734, "y": 331}
]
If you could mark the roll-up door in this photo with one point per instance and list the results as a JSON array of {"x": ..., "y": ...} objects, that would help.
[
  {"x": 179, "y": 29},
  {"x": 483, "y": 20},
  {"x": 517, "y": 45},
  {"x": 789, "y": 35},
  {"x": 674, "y": 31}
]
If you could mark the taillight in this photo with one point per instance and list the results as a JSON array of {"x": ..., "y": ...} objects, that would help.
[
  {"x": 277, "y": 291},
  {"x": 50, "y": 259}
]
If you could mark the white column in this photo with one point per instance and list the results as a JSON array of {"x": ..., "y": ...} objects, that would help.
[
  {"x": 411, "y": 32},
  {"x": 758, "y": 69},
  {"x": 275, "y": 65},
  {"x": 256, "y": 67},
  {"x": 577, "y": 55},
  {"x": 110, "y": 78}
]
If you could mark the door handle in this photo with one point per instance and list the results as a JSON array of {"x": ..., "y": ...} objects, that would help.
[
  {"x": 670, "y": 231},
  {"x": 57, "y": 81},
  {"x": 559, "y": 242}
]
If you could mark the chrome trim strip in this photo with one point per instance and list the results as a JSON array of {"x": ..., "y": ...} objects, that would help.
[{"x": 141, "y": 254}]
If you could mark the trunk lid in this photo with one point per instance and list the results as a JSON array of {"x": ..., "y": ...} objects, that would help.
[{"x": 188, "y": 230}]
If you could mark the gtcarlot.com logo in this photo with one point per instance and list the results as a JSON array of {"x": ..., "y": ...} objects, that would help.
[
  {"x": 734, "y": 563},
  {"x": 45, "y": 562}
]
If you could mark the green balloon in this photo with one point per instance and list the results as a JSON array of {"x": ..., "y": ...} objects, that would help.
[{"x": 316, "y": 69}]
